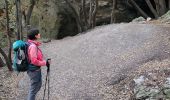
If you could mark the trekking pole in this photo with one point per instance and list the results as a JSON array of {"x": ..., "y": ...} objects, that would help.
[
  {"x": 47, "y": 79},
  {"x": 45, "y": 86},
  {"x": 48, "y": 71}
]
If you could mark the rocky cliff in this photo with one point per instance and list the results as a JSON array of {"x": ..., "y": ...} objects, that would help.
[{"x": 57, "y": 19}]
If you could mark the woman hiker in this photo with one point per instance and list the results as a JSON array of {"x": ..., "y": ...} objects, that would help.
[{"x": 36, "y": 61}]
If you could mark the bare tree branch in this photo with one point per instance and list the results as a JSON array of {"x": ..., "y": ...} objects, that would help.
[
  {"x": 139, "y": 9},
  {"x": 113, "y": 11},
  {"x": 6, "y": 59},
  {"x": 152, "y": 9}
]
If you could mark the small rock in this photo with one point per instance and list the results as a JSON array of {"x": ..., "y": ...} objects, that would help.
[
  {"x": 139, "y": 80},
  {"x": 139, "y": 19},
  {"x": 148, "y": 19},
  {"x": 168, "y": 80}
]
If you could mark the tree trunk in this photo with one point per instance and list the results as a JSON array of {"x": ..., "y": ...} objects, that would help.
[
  {"x": 29, "y": 13},
  {"x": 139, "y": 9},
  {"x": 169, "y": 4},
  {"x": 157, "y": 6},
  {"x": 1, "y": 62},
  {"x": 6, "y": 59},
  {"x": 113, "y": 17},
  {"x": 85, "y": 14},
  {"x": 152, "y": 9},
  {"x": 90, "y": 14},
  {"x": 28, "y": 17},
  {"x": 76, "y": 15},
  {"x": 19, "y": 20},
  {"x": 94, "y": 14},
  {"x": 163, "y": 9},
  {"x": 8, "y": 36}
]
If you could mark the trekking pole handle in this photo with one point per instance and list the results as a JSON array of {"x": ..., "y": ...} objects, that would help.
[{"x": 48, "y": 64}]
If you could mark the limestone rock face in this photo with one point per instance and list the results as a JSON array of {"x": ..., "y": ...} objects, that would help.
[
  {"x": 45, "y": 18},
  {"x": 123, "y": 13},
  {"x": 61, "y": 21},
  {"x": 56, "y": 19}
]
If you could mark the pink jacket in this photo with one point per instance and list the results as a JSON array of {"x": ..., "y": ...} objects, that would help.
[{"x": 35, "y": 55}]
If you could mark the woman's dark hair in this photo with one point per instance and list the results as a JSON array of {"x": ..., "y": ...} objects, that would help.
[{"x": 32, "y": 33}]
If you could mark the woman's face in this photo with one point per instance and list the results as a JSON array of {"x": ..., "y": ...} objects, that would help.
[{"x": 38, "y": 36}]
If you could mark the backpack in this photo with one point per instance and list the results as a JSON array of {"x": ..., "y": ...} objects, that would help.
[{"x": 20, "y": 61}]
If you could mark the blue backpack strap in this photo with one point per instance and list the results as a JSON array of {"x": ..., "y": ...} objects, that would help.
[
  {"x": 26, "y": 52},
  {"x": 28, "y": 44}
]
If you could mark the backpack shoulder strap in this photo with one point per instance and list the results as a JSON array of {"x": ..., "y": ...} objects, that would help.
[{"x": 32, "y": 44}]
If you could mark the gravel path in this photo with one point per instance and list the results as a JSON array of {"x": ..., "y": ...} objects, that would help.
[{"x": 86, "y": 66}]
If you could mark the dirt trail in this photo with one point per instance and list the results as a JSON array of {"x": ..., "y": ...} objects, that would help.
[{"x": 85, "y": 66}]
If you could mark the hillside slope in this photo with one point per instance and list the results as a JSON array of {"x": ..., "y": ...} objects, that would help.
[{"x": 86, "y": 66}]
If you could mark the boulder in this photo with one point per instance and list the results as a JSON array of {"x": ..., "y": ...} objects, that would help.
[
  {"x": 153, "y": 85},
  {"x": 139, "y": 19},
  {"x": 165, "y": 18}
]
